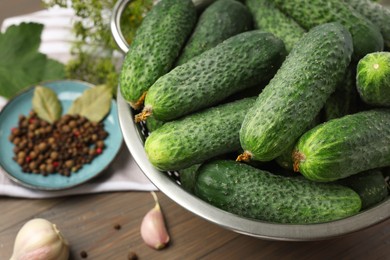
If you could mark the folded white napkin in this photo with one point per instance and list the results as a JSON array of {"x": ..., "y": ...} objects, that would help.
[{"x": 123, "y": 173}]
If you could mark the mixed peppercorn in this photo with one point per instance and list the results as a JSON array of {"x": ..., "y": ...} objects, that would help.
[{"x": 62, "y": 147}]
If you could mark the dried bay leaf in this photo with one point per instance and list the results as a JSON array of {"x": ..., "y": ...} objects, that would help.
[
  {"x": 94, "y": 103},
  {"x": 46, "y": 104}
]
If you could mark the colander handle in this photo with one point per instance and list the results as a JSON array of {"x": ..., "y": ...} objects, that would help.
[{"x": 115, "y": 24}]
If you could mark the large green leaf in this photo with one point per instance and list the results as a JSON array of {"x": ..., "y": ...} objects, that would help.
[
  {"x": 21, "y": 64},
  {"x": 54, "y": 70}
]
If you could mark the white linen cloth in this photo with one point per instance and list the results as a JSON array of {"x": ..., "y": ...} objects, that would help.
[{"x": 123, "y": 174}]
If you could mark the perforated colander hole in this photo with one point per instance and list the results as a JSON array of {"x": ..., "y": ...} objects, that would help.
[{"x": 174, "y": 175}]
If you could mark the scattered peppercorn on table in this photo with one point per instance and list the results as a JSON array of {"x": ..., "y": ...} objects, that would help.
[{"x": 107, "y": 226}]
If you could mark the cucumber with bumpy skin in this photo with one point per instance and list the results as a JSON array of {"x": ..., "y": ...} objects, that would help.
[
  {"x": 197, "y": 137},
  {"x": 376, "y": 13},
  {"x": 297, "y": 93},
  {"x": 370, "y": 185},
  {"x": 344, "y": 146},
  {"x": 220, "y": 21},
  {"x": 269, "y": 18},
  {"x": 250, "y": 192},
  {"x": 309, "y": 13},
  {"x": 242, "y": 61},
  {"x": 155, "y": 47},
  {"x": 373, "y": 79}
]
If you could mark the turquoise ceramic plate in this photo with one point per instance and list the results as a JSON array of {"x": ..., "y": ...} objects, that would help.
[{"x": 67, "y": 91}]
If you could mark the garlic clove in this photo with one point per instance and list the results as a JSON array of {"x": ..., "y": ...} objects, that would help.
[
  {"x": 40, "y": 239},
  {"x": 153, "y": 229}
]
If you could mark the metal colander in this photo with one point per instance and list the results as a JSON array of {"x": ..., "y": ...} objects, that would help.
[{"x": 169, "y": 183}]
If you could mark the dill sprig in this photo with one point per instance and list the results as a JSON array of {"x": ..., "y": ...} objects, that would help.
[{"x": 95, "y": 53}]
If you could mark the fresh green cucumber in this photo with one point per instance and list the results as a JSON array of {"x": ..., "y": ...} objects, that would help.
[
  {"x": 250, "y": 192},
  {"x": 220, "y": 21},
  {"x": 376, "y": 13},
  {"x": 370, "y": 185},
  {"x": 344, "y": 146},
  {"x": 269, "y": 18},
  {"x": 309, "y": 13},
  {"x": 373, "y": 78},
  {"x": 193, "y": 139},
  {"x": 155, "y": 47},
  {"x": 297, "y": 93},
  {"x": 345, "y": 98},
  {"x": 240, "y": 62},
  {"x": 340, "y": 103}
]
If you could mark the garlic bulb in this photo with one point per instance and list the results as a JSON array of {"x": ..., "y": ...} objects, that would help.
[
  {"x": 153, "y": 230},
  {"x": 39, "y": 239}
]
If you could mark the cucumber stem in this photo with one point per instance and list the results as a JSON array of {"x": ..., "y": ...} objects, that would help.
[
  {"x": 298, "y": 157},
  {"x": 146, "y": 112},
  {"x": 138, "y": 104},
  {"x": 244, "y": 157}
]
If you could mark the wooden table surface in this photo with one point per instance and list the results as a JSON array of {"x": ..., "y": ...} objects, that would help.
[{"x": 88, "y": 222}]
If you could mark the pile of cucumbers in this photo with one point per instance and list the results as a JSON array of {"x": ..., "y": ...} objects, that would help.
[{"x": 269, "y": 109}]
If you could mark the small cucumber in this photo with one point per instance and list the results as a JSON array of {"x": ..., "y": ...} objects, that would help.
[
  {"x": 373, "y": 79},
  {"x": 309, "y": 13},
  {"x": 193, "y": 139},
  {"x": 297, "y": 93},
  {"x": 370, "y": 185},
  {"x": 344, "y": 146},
  {"x": 376, "y": 13},
  {"x": 221, "y": 20},
  {"x": 250, "y": 192},
  {"x": 269, "y": 18},
  {"x": 240, "y": 62},
  {"x": 155, "y": 47}
]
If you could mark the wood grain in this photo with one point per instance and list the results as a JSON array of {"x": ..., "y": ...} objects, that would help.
[{"x": 88, "y": 222}]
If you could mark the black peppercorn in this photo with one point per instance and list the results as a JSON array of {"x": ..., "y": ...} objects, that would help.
[
  {"x": 83, "y": 254},
  {"x": 20, "y": 161},
  {"x": 49, "y": 168},
  {"x": 69, "y": 163},
  {"x": 65, "y": 129},
  {"x": 117, "y": 226},
  {"x": 42, "y": 168},
  {"x": 21, "y": 154},
  {"x": 54, "y": 155},
  {"x": 33, "y": 155},
  {"x": 42, "y": 146},
  {"x": 72, "y": 123},
  {"x": 132, "y": 256}
]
